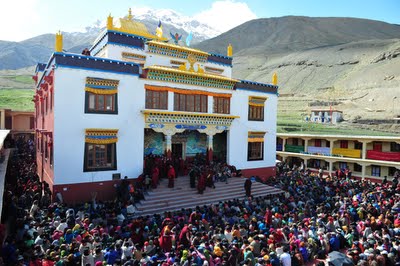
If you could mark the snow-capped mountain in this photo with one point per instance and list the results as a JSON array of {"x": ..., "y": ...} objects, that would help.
[
  {"x": 201, "y": 31},
  {"x": 14, "y": 55}
]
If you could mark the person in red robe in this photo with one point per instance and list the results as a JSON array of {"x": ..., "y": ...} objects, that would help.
[
  {"x": 268, "y": 217},
  {"x": 171, "y": 176},
  {"x": 166, "y": 240},
  {"x": 154, "y": 177},
  {"x": 201, "y": 184}
]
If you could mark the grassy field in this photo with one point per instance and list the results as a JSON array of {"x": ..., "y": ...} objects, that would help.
[
  {"x": 17, "y": 99},
  {"x": 25, "y": 79}
]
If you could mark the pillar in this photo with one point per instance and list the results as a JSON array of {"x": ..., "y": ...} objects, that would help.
[
  {"x": 3, "y": 119},
  {"x": 330, "y": 168},
  {"x": 210, "y": 104},
  {"x": 364, "y": 150},
  {"x": 283, "y": 144},
  {"x": 305, "y": 145},
  {"x": 331, "y": 144},
  {"x": 170, "y": 101},
  {"x": 210, "y": 147},
  {"x": 363, "y": 169},
  {"x": 305, "y": 163},
  {"x": 168, "y": 148}
]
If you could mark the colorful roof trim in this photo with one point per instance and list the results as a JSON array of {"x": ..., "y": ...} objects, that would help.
[
  {"x": 187, "y": 77},
  {"x": 101, "y": 86},
  {"x": 103, "y": 64},
  {"x": 101, "y": 136},
  {"x": 177, "y": 51}
]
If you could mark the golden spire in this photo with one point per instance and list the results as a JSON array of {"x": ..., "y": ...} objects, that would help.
[
  {"x": 275, "y": 79},
  {"x": 130, "y": 17},
  {"x": 110, "y": 22},
  {"x": 59, "y": 42},
  {"x": 229, "y": 50}
]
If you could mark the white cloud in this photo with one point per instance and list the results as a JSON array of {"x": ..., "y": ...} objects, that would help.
[
  {"x": 225, "y": 15},
  {"x": 18, "y": 19}
]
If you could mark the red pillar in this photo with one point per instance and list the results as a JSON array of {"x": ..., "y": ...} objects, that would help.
[{"x": 209, "y": 155}]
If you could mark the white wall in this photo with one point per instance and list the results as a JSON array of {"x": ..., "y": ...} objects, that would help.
[
  {"x": 70, "y": 123},
  {"x": 238, "y": 134}
]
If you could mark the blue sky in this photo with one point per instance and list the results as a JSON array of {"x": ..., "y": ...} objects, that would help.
[{"x": 22, "y": 19}]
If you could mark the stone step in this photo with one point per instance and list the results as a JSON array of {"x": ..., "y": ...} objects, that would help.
[
  {"x": 162, "y": 206},
  {"x": 181, "y": 196},
  {"x": 173, "y": 195},
  {"x": 182, "y": 188}
]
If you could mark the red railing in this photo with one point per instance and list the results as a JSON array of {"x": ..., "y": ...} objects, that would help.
[{"x": 383, "y": 156}]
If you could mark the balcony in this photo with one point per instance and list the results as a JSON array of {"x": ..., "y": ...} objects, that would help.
[
  {"x": 294, "y": 148},
  {"x": 352, "y": 153},
  {"x": 383, "y": 156}
]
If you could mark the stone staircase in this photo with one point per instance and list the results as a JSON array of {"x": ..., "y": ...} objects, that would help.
[{"x": 181, "y": 196}]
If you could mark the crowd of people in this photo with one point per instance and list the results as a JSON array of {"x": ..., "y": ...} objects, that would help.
[
  {"x": 312, "y": 217},
  {"x": 202, "y": 174}
]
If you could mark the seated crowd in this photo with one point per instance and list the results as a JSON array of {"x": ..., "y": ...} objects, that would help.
[{"x": 314, "y": 216}]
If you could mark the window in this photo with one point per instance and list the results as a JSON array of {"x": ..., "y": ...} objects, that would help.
[
  {"x": 358, "y": 145},
  {"x": 190, "y": 102},
  {"x": 344, "y": 144},
  {"x": 156, "y": 99},
  {"x": 221, "y": 105},
  {"x": 101, "y": 96},
  {"x": 51, "y": 154},
  {"x": 31, "y": 122},
  {"x": 392, "y": 171},
  {"x": 357, "y": 168},
  {"x": 295, "y": 142},
  {"x": 101, "y": 103},
  {"x": 375, "y": 170},
  {"x": 46, "y": 150},
  {"x": 342, "y": 165},
  {"x": 377, "y": 146},
  {"x": 317, "y": 143},
  {"x": 256, "y": 108},
  {"x": 100, "y": 157},
  {"x": 394, "y": 147},
  {"x": 51, "y": 100},
  {"x": 256, "y": 113},
  {"x": 255, "y": 151}
]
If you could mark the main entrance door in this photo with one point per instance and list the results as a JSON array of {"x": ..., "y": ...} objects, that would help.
[{"x": 177, "y": 150}]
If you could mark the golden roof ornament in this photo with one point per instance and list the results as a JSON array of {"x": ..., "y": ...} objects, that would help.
[
  {"x": 274, "y": 79},
  {"x": 130, "y": 17},
  {"x": 192, "y": 60}
]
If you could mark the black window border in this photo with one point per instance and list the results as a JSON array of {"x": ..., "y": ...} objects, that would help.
[
  {"x": 254, "y": 119},
  {"x": 85, "y": 167},
  {"x": 262, "y": 152},
  {"x": 87, "y": 111}
]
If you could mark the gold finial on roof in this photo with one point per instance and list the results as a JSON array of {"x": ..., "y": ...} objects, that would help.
[
  {"x": 59, "y": 42},
  {"x": 130, "y": 17},
  {"x": 229, "y": 51},
  {"x": 110, "y": 23},
  {"x": 275, "y": 79}
]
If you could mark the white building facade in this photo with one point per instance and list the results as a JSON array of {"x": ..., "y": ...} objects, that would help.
[{"x": 99, "y": 116}]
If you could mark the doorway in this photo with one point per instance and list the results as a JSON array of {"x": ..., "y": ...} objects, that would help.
[{"x": 177, "y": 150}]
